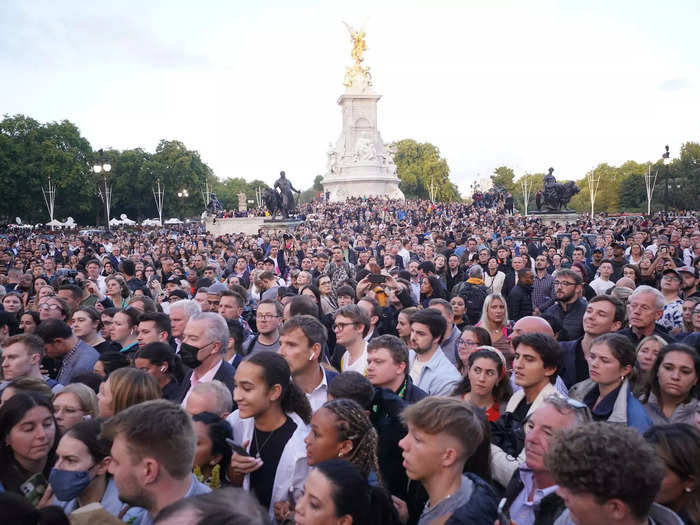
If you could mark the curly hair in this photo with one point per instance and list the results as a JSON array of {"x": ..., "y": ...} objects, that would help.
[
  {"x": 609, "y": 462},
  {"x": 354, "y": 425}
]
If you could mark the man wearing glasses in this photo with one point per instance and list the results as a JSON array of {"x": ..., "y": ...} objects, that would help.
[
  {"x": 531, "y": 496},
  {"x": 569, "y": 307},
  {"x": 268, "y": 319},
  {"x": 350, "y": 327}
]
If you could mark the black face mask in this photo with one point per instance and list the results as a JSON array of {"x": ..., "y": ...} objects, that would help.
[{"x": 188, "y": 354}]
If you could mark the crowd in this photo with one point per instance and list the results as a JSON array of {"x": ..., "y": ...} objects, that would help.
[{"x": 381, "y": 362}]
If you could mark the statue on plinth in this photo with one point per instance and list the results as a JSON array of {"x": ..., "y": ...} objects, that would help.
[
  {"x": 286, "y": 203},
  {"x": 555, "y": 196}
]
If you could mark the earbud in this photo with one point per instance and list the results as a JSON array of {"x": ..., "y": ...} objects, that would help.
[
  {"x": 162, "y": 369},
  {"x": 311, "y": 357}
]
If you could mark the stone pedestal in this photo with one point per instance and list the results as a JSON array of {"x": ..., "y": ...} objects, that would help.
[
  {"x": 360, "y": 164},
  {"x": 234, "y": 225},
  {"x": 250, "y": 225},
  {"x": 553, "y": 218}
]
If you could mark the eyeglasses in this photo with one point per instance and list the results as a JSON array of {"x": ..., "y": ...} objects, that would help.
[
  {"x": 337, "y": 327},
  {"x": 266, "y": 317},
  {"x": 467, "y": 343},
  {"x": 49, "y": 307},
  {"x": 563, "y": 283}
]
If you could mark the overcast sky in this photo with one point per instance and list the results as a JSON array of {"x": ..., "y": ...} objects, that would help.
[{"x": 253, "y": 85}]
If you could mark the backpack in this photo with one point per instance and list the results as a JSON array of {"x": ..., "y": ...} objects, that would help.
[{"x": 474, "y": 296}]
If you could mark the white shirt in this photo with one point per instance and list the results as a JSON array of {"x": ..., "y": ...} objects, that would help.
[
  {"x": 318, "y": 395},
  {"x": 360, "y": 364},
  {"x": 600, "y": 286},
  {"x": 208, "y": 377}
]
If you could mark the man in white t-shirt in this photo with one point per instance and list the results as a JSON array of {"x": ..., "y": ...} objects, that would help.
[
  {"x": 350, "y": 326},
  {"x": 602, "y": 283}
]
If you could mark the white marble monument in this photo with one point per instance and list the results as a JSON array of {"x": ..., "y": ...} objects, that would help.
[{"x": 359, "y": 163}]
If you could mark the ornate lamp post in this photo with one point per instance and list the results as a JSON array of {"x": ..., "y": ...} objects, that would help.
[{"x": 103, "y": 167}]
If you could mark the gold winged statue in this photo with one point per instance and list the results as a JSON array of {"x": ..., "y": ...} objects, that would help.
[{"x": 356, "y": 74}]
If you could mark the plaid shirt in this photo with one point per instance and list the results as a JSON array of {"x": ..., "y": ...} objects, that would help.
[
  {"x": 64, "y": 373},
  {"x": 542, "y": 289}
]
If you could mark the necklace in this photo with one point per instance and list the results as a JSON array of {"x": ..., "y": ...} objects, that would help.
[{"x": 258, "y": 449}]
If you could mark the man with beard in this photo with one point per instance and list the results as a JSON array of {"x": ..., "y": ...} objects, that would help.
[
  {"x": 152, "y": 456},
  {"x": 569, "y": 307},
  {"x": 430, "y": 369}
]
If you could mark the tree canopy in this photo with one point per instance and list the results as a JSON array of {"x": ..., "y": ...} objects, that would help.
[
  {"x": 421, "y": 167},
  {"x": 31, "y": 152}
]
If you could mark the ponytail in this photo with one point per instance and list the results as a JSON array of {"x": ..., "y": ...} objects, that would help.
[{"x": 276, "y": 372}]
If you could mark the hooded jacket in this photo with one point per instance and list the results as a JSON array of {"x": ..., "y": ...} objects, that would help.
[{"x": 626, "y": 410}]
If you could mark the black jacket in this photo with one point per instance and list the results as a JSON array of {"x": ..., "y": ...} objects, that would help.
[
  {"x": 508, "y": 284},
  {"x": 519, "y": 302},
  {"x": 386, "y": 418},
  {"x": 481, "y": 507},
  {"x": 571, "y": 320},
  {"x": 224, "y": 374},
  {"x": 658, "y": 330},
  {"x": 546, "y": 512},
  {"x": 569, "y": 350}
]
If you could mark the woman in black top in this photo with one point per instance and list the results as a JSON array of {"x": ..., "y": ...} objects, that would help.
[
  {"x": 28, "y": 432},
  {"x": 160, "y": 362}
]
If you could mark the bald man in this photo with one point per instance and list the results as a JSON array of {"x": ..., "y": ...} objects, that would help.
[
  {"x": 535, "y": 325},
  {"x": 531, "y": 325}
]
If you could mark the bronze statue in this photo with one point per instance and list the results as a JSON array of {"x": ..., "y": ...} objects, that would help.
[
  {"x": 285, "y": 199},
  {"x": 555, "y": 196}
]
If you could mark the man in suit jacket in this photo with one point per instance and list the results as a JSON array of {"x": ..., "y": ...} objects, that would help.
[{"x": 205, "y": 340}]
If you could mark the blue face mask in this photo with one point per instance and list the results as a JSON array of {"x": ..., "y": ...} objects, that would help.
[{"x": 68, "y": 484}]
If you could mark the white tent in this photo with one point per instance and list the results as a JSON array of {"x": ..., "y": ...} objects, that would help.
[
  {"x": 114, "y": 222},
  {"x": 70, "y": 223},
  {"x": 151, "y": 222},
  {"x": 126, "y": 220},
  {"x": 173, "y": 220},
  {"x": 55, "y": 223}
]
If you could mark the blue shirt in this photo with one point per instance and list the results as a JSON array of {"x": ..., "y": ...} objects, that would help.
[
  {"x": 438, "y": 377},
  {"x": 110, "y": 502},
  {"x": 522, "y": 511}
]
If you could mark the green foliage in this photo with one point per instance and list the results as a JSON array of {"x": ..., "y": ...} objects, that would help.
[
  {"x": 30, "y": 153},
  {"x": 504, "y": 176},
  {"x": 419, "y": 166}
]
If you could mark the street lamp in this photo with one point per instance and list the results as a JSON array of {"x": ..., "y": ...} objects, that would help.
[
  {"x": 665, "y": 160},
  {"x": 103, "y": 167},
  {"x": 183, "y": 194}
]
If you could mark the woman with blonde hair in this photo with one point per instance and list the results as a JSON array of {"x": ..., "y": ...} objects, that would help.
[
  {"x": 73, "y": 404},
  {"x": 123, "y": 388},
  {"x": 494, "y": 318}
]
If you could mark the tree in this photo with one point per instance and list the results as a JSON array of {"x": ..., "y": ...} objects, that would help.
[
  {"x": 420, "y": 168},
  {"x": 312, "y": 193},
  {"x": 504, "y": 176},
  {"x": 30, "y": 153}
]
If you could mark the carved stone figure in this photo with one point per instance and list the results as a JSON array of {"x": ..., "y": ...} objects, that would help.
[
  {"x": 286, "y": 196},
  {"x": 332, "y": 159},
  {"x": 364, "y": 149},
  {"x": 555, "y": 196}
]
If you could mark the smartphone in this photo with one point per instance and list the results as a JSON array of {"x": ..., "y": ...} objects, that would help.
[
  {"x": 237, "y": 448},
  {"x": 375, "y": 278},
  {"x": 503, "y": 516},
  {"x": 33, "y": 489}
]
